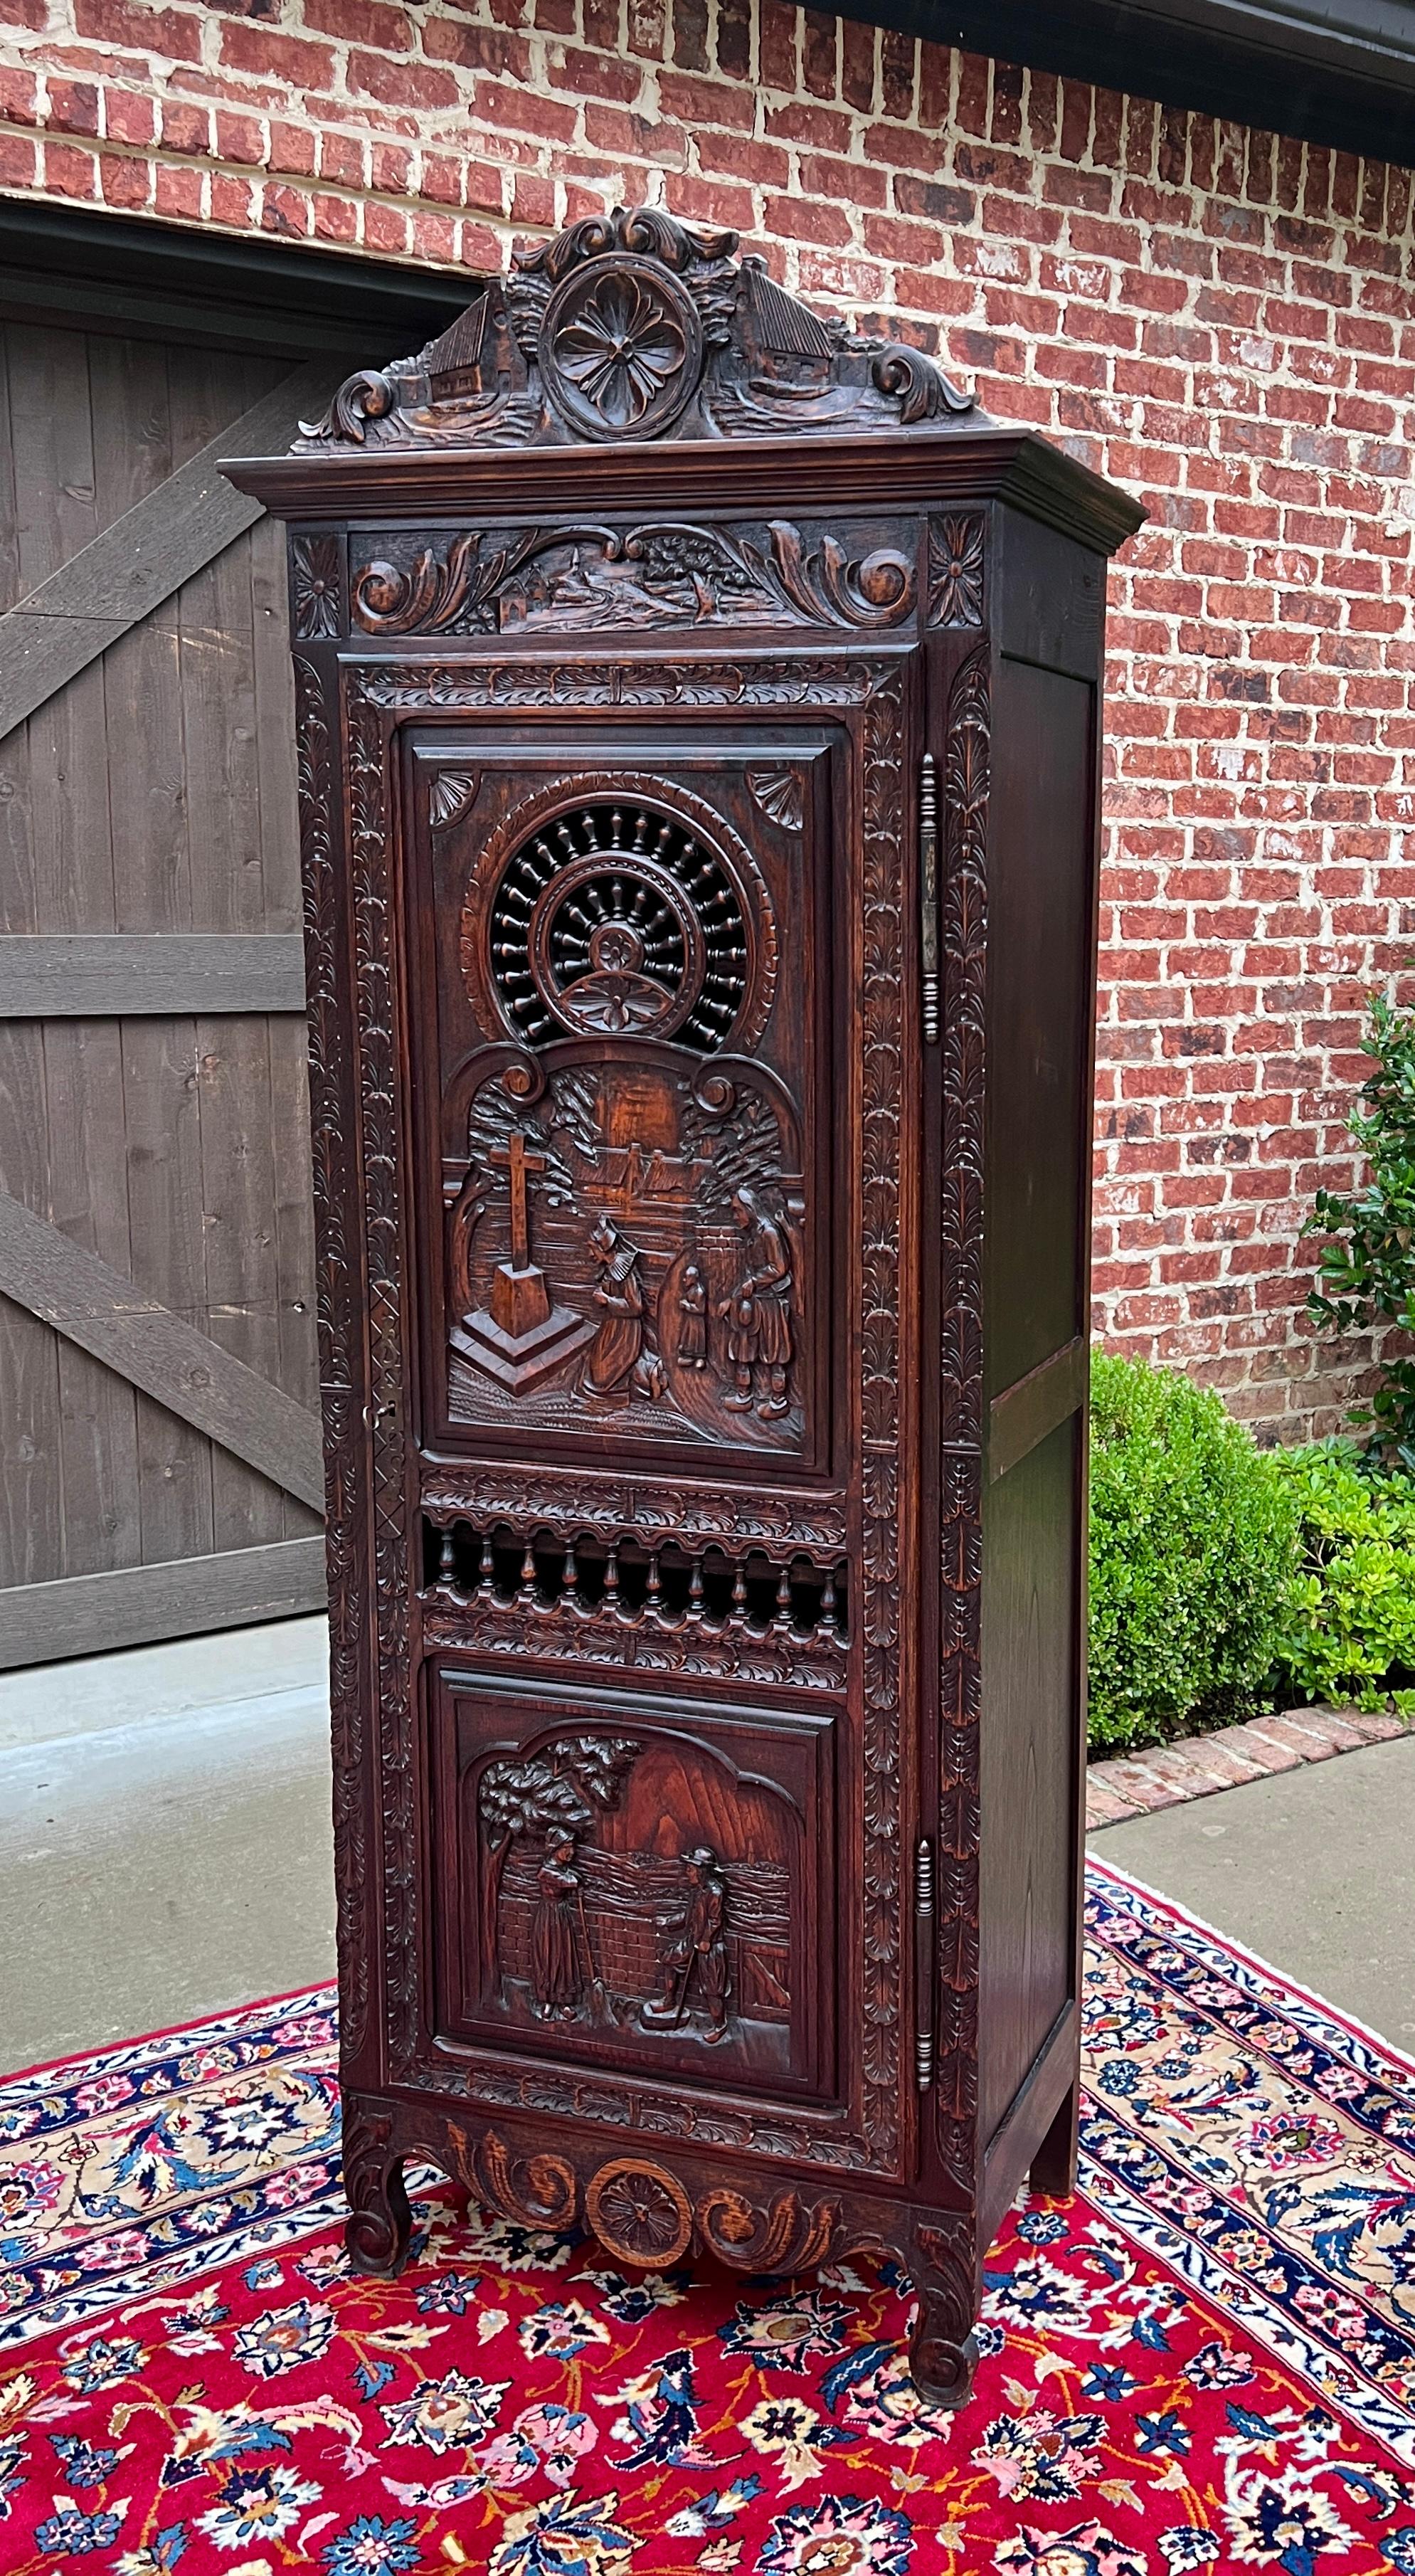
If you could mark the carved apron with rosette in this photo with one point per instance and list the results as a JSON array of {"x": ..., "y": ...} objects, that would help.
[{"x": 648, "y": 632}]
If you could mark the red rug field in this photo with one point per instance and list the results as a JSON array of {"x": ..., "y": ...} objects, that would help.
[{"x": 1206, "y": 2361}]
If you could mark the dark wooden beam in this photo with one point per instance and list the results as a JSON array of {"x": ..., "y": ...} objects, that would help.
[
  {"x": 1332, "y": 71},
  {"x": 105, "y": 1314},
  {"x": 91, "y": 1614},
  {"x": 106, "y": 975}
]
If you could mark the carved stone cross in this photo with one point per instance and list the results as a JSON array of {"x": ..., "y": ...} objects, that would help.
[{"x": 516, "y": 1162}]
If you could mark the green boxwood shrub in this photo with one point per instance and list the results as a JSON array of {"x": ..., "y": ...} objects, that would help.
[
  {"x": 1350, "y": 1629},
  {"x": 1193, "y": 1555}
]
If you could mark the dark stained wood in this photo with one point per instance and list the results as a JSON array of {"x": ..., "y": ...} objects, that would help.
[
  {"x": 1040, "y": 906},
  {"x": 80, "y": 976},
  {"x": 1033, "y": 1405},
  {"x": 1029, "y": 1764},
  {"x": 708, "y": 1650},
  {"x": 40, "y": 1622}
]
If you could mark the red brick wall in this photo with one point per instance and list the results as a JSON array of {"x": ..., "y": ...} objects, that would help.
[{"x": 1220, "y": 318}]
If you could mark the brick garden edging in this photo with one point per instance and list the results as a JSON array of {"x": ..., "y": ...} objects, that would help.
[{"x": 1198, "y": 1765}]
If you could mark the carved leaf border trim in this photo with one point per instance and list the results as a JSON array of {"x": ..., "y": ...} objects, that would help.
[
  {"x": 967, "y": 778},
  {"x": 508, "y": 1629},
  {"x": 345, "y": 1502},
  {"x": 381, "y": 1142},
  {"x": 578, "y": 1502},
  {"x": 376, "y": 695}
]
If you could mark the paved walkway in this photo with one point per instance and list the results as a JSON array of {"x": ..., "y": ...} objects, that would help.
[
  {"x": 153, "y": 1868},
  {"x": 1314, "y": 1868},
  {"x": 157, "y": 1868}
]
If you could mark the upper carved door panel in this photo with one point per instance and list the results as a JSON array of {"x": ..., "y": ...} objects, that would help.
[{"x": 623, "y": 1096}]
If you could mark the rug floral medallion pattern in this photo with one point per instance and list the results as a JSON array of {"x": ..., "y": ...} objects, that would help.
[{"x": 1204, "y": 2361}]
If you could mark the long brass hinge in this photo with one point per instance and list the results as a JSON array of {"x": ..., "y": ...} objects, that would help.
[
  {"x": 924, "y": 1964},
  {"x": 928, "y": 893}
]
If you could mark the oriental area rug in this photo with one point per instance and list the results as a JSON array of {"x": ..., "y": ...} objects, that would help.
[{"x": 1206, "y": 2360}]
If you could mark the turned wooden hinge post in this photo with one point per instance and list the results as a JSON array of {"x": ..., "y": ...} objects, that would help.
[
  {"x": 924, "y": 1964},
  {"x": 928, "y": 893}
]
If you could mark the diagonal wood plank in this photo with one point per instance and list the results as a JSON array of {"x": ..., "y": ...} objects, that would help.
[
  {"x": 121, "y": 575},
  {"x": 186, "y": 1371}
]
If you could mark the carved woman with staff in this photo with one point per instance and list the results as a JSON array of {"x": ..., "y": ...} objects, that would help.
[{"x": 557, "y": 1926}]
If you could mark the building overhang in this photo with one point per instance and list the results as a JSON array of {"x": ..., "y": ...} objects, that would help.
[{"x": 1340, "y": 72}]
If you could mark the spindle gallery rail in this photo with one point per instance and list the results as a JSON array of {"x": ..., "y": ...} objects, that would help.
[{"x": 753, "y": 1591}]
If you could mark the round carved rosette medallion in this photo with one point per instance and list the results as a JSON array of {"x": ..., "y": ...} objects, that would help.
[
  {"x": 639, "y": 2213},
  {"x": 621, "y": 349}
]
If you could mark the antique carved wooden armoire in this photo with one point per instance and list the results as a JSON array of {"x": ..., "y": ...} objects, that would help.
[{"x": 698, "y": 733}]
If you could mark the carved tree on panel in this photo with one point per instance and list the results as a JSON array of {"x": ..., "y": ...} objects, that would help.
[{"x": 553, "y": 1792}]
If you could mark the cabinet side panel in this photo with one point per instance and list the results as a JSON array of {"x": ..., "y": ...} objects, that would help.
[
  {"x": 1030, "y": 1755},
  {"x": 1040, "y": 1000}
]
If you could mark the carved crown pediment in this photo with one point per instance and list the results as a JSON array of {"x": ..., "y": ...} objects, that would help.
[{"x": 633, "y": 326}]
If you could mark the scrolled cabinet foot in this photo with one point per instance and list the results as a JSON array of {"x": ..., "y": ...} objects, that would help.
[
  {"x": 380, "y": 2220},
  {"x": 943, "y": 2349}
]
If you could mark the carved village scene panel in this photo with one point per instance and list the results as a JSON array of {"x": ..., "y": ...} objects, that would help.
[
  {"x": 649, "y": 1892},
  {"x": 634, "y": 1174}
]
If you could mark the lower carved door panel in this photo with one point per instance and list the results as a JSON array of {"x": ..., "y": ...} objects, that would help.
[{"x": 626, "y": 1880}]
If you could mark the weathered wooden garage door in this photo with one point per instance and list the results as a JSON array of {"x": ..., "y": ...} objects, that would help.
[{"x": 157, "y": 1367}]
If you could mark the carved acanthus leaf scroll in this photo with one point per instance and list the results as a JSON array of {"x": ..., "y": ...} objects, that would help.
[
  {"x": 661, "y": 573},
  {"x": 788, "y": 2235},
  {"x": 334, "y": 1190},
  {"x": 631, "y": 326},
  {"x": 964, "y": 912},
  {"x": 537, "y": 2190}
]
